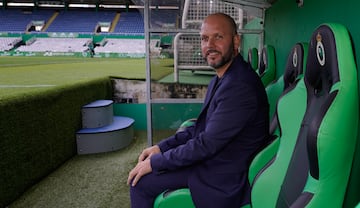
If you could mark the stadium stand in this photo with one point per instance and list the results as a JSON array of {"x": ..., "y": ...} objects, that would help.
[
  {"x": 122, "y": 46},
  {"x": 164, "y": 18},
  {"x": 72, "y": 31},
  {"x": 79, "y": 21},
  {"x": 130, "y": 23},
  {"x": 17, "y": 20},
  {"x": 57, "y": 45},
  {"x": 8, "y": 43}
]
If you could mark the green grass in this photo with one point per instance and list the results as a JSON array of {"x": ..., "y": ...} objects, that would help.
[
  {"x": 83, "y": 181},
  {"x": 95, "y": 180},
  {"x": 35, "y": 74}
]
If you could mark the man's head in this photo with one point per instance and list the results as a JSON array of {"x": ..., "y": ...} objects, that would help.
[{"x": 219, "y": 40}]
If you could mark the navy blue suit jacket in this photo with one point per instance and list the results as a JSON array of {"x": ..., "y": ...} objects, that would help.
[{"x": 231, "y": 128}]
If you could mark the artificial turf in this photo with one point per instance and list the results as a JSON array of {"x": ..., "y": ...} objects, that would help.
[
  {"x": 87, "y": 180},
  {"x": 32, "y": 74},
  {"x": 97, "y": 180}
]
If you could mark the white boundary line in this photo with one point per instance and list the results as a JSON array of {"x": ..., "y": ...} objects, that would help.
[{"x": 26, "y": 86}]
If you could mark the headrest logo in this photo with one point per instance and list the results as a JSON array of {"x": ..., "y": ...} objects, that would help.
[
  {"x": 320, "y": 51},
  {"x": 295, "y": 58}
]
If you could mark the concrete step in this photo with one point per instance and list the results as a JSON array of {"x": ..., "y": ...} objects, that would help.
[{"x": 115, "y": 136}]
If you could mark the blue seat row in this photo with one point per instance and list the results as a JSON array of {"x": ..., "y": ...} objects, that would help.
[{"x": 82, "y": 21}]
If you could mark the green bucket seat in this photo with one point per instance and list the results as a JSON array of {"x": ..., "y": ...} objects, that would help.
[
  {"x": 293, "y": 72},
  {"x": 253, "y": 58},
  {"x": 267, "y": 66}
]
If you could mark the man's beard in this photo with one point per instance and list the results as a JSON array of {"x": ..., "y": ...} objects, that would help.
[
  {"x": 224, "y": 60},
  {"x": 220, "y": 63}
]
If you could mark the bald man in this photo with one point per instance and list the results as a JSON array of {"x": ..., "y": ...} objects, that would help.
[{"x": 212, "y": 157}]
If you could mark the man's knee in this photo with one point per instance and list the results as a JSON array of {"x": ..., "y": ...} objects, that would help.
[{"x": 147, "y": 185}]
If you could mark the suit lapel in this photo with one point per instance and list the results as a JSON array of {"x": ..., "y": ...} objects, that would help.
[{"x": 212, "y": 89}]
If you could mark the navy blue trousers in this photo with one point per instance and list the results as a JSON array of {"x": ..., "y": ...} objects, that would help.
[{"x": 151, "y": 185}]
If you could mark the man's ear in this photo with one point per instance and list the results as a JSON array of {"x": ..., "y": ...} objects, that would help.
[{"x": 236, "y": 40}]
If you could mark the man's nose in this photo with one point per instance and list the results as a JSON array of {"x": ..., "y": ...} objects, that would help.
[{"x": 211, "y": 42}]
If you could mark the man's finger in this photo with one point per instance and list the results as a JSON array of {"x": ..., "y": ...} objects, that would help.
[
  {"x": 131, "y": 176},
  {"x": 141, "y": 157},
  {"x": 136, "y": 179}
]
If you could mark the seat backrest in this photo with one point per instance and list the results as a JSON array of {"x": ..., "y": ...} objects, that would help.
[
  {"x": 293, "y": 72},
  {"x": 318, "y": 120},
  {"x": 253, "y": 58},
  {"x": 332, "y": 131},
  {"x": 266, "y": 69}
]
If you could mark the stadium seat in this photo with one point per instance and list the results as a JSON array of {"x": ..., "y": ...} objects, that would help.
[
  {"x": 266, "y": 69},
  {"x": 253, "y": 58},
  {"x": 293, "y": 73},
  {"x": 316, "y": 150},
  {"x": 318, "y": 121}
]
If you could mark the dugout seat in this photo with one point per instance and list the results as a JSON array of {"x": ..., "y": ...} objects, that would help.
[
  {"x": 293, "y": 72},
  {"x": 318, "y": 121},
  {"x": 316, "y": 150},
  {"x": 266, "y": 69},
  {"x": 253, "y": 58}
]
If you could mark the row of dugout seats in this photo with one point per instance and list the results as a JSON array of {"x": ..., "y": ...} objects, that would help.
[
  {"x": 315, "y": 120},
  {"x": 263, "y": 64}
]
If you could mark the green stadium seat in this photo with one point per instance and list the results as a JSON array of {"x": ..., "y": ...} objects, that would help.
[
  {"x": 266, "y": 69},
  {"x": 253, "y": 58},
  {"x": 294, "y": 68},
  {"x": 293, "y": 72}
]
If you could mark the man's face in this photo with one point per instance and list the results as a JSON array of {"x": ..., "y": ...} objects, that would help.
[{"x": 217, "y": 42}]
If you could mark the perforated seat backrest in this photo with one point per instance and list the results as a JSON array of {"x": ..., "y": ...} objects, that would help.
[
  {"x": 296, "y": 62},
  {"x": 295, "y": 65},
  {"x": 267, "y": 184},
  {"x": 332, "y": 121},
  {"x": 266, "y": 69}
]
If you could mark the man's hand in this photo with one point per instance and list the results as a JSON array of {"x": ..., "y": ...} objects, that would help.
[
  {"x": 143, "y": 166},
  {"x": 141, "y": 169},
  {"x": 148, "y": 152}
]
